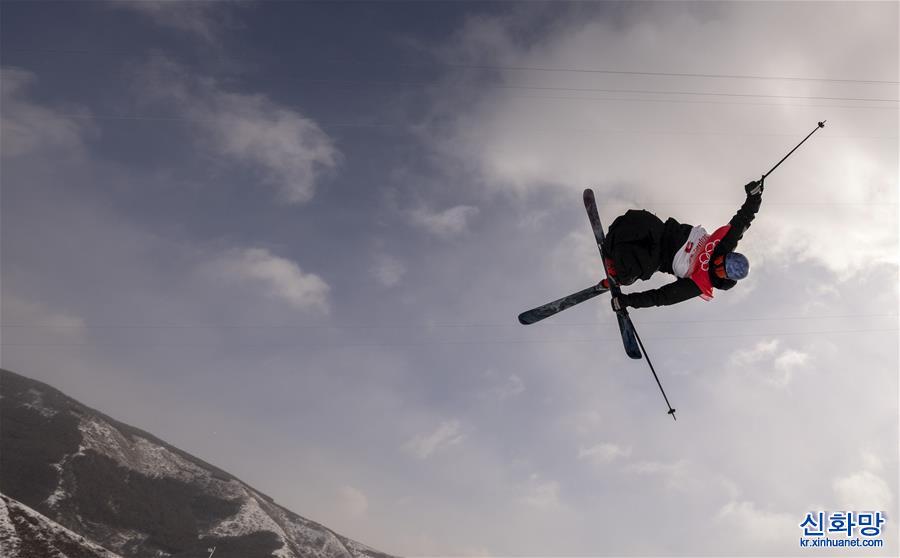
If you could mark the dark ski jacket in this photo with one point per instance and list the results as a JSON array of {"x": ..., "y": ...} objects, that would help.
[{"x": 640, "y": 244}]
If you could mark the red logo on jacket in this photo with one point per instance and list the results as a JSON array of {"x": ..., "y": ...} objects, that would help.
[{"x": 700, "y": 275}]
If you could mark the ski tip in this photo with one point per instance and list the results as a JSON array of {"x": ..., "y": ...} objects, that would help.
[
  {"x": 588, "y": 193},
  {"x": 527, "y": 318}
]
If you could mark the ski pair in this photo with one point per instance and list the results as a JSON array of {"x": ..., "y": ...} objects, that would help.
[
  {"x": 609, "y": 285},
  {"x": 630, "y": 339},
  {"x": 633, "y": 345}
]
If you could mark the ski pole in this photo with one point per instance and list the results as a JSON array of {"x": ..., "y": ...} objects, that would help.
[
  {"x": 650, "y": 364},
  {"x": 820, "y": 125}
]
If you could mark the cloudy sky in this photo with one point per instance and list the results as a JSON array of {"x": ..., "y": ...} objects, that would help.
[{"x": 293, "y": 239}]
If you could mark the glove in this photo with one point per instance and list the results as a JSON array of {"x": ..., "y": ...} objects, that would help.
[
  {"x": 754, "y": 188},
  {"x": 619, "y": 303}
]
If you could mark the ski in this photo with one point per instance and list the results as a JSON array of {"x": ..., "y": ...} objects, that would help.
[
  {"x": 629, "y": 340},
  {"x": 557, "y": 306},
  {"x": 634, "y": 348}
]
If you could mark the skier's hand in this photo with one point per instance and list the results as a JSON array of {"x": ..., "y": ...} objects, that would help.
[
  {"x": 618, "y": 303},
  {"x": 754, "y": 188}
]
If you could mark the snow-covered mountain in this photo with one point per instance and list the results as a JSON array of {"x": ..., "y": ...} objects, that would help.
[
  {"x": 69, "y": 469},
  {"x": 25, "y": 532}
]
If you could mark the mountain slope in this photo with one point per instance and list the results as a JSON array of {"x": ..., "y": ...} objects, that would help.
[
  {"x": 133, "y": 494},
  {"x": 25, "y": 532}
]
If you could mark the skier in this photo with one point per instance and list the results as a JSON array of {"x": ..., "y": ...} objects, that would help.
[{"x": 639, "y": 244}]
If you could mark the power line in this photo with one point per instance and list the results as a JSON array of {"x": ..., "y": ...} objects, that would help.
[
  {"x": 704, "y": 102},
  {"x": 670, "y": 74},
  {"x": 605, "y": 90},
  {"x": 604, "y": 71},
  {"x": 481, "y": 341},
  {"x": 387, "y": 125},
  {"x": 420, "y": 327}
]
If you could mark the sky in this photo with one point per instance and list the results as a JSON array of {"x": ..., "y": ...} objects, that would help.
[{"x": 293, "y": 239}]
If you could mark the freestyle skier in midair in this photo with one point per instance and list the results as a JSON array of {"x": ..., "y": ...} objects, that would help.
[{"x": 639, "y": 244}]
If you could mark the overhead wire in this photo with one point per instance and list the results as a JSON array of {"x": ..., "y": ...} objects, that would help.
[
  {"x": 585, "y": 71},
  {"x": 582, "y": 90},
  {"x": 704, "y": 102},
  {"x": 382, "y": 125},
  {"x": 426, "y": 326},
  {"x": 606, "y": 90},
  {"x": 480, "y": 341},
  {"x": 668, "y": 74},
  {"x": 550, "y": 88},
  {"x": 500, "y": 67}
]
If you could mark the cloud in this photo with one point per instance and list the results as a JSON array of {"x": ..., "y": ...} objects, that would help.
[
  {"x": 866, "y": 489},
  {"x": 445, "y": 436},
  {"x": 602, "y": 454},
  {"x": 30, "y": 321},
  {"x": 286, "y": 150},
  {"x": 756, "y": 526},
  {"x": 206, "y": 20},
  {"x": 863, "y": 491},
  {"x": 514, "y": 127},
  {"x": 676, "y": 475},
  {"x": 282, "y": 279},
  {"x": 32, "y": 128},
  {"x": 872, "y": 462},
  {"x": 759, "y": 352},
  {"x": 777, "y": 368},
  {"x": 444, "y": 224},
  {"x": 542, "y": 495},
  {"x": 388, "y": 270},
  {"x": 353, "y": 501},
  {"x": 503, "y": 389},
  {"x": 563, "y": 376},
  {"x": 785, "y": 364}
]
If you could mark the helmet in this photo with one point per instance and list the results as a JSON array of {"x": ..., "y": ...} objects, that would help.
[
  {"x": 613, "y": 272},
  {"x": 736, "y": 266}
]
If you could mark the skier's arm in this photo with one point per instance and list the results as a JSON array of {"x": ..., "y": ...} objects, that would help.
[
  {"x": 742, "y": 219},
  {"x": 673, "y": 293}
]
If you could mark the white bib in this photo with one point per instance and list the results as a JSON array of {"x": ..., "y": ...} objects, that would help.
[{"x": 686, "y": 257}]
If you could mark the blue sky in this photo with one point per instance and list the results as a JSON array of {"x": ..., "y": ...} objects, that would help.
[{"x": 292, "y": 239}]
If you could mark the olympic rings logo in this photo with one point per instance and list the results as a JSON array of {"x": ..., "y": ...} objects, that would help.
[{"x": 707, "y": 254}]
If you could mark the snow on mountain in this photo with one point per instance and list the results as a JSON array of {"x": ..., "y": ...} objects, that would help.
[
  {"x": 135, "y": 453},
  {"x": 10, "y": 543},
  {"x": 27, "y": 533},
  {"x": 36, "y": 402},
  {"x": 132, "y": 493}
]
